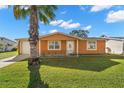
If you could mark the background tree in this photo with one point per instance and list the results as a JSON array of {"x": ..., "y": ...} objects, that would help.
[
  {"x": 44, "y": 13},
  {"x": 79, "y": 33},
  {"x": 103, "y": 35}
]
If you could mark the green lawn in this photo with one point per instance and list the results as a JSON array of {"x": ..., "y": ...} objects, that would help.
[
  {"x": 86, "y": 71},
  {"x": 7, "y": 54}
]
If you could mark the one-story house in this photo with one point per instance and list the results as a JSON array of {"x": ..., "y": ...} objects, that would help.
[
  {"x": 63, "y": 44},
  {"x": 7, "y": 44},
  {"x": 115, "y": 45}
]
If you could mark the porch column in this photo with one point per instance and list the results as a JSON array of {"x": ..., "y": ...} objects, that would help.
[
  {"x": 39, "y": 47},
  {"x": 77, "y": 48}
]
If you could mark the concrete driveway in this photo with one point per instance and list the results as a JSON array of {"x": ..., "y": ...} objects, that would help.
[
  {"x": 4, "y": 62},
  {"x": 7, "y": 61}
]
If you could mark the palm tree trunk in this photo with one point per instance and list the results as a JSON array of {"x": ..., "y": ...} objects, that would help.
[{"x": 33, "y": 37}]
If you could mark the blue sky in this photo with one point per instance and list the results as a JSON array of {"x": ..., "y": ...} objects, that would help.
[{"x": 108, "y": 20}]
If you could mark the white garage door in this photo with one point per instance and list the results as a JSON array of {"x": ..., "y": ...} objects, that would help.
[
  {"x": 25, "y": 47},
  {"x": 114, "y": 46}
]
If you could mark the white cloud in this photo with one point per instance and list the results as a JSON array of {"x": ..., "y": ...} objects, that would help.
[
  {"x": 98, "y": 8},
  {"x": 41, "y": 22},
  {"x": 69, "y": 24},
  {"x": 26, "y": 7},
  {"x": 3, "y": 6},
  {"x": 87, "y": 27},
  {"x": 81, "y": 7},
  {"x": 65, "y": 24},
  {"x": 56, "y": 22},
  {"x": 115, "y": 16},
  {"x": 53, "y": 31},
  {"x": 64, "y": 12}
]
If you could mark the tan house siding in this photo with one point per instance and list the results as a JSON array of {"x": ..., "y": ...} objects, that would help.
[
  {"x": 83, "y": 47},
  {"x": 45, "y": 51},
  {"x": 20, "y": 46}
]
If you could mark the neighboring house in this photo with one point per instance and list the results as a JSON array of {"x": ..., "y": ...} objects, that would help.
[
  {"x": 115, "y": 45},
  {"x": 7, "y": 44},
  {"x": 63, "y": 44}
]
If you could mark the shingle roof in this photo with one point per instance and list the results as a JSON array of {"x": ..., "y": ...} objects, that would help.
[
  {"x": 7, "y": 39},
  {"x": 118, "y": 37},
  {"x": 65, "y": 35},
  {"x": 115, "y": 38}
]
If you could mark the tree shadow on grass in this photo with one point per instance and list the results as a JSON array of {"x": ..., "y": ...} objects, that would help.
[
  {"x": 89, "y": 63},
  {"x": 35, "y": 78}
]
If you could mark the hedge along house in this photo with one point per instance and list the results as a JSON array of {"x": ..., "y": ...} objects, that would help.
[{"x": 63, "y": 44}]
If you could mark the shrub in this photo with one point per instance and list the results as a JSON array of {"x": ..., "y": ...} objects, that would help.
[{"x": 14, "y": 49}]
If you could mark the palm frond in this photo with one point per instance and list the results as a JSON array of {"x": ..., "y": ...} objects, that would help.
[
  {"x": 46, "y": 13},
  {"x": 21, "y": 12},
  {"x": 43, "y": 18}
]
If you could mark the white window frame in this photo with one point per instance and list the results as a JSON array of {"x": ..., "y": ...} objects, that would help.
[
  {"x": 92, "y": 41},
  {"x": 54, "y": 46}
]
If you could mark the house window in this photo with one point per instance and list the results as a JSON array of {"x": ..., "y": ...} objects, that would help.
[
  {"x": 54, "y": 45},
  {"x": 91, "y": 45}
]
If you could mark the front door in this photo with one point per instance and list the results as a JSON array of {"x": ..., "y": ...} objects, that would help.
[{"x": 70, "y": 47}]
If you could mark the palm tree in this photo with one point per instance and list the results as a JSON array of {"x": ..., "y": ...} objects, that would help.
[
  {"x": 79, "y": 33},
  {"x": 44, "y": 13}
]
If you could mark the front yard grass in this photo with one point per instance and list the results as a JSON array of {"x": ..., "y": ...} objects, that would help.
[
  {"x": 7, "y": 54},
  {"x": 90, "y": 71}
]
